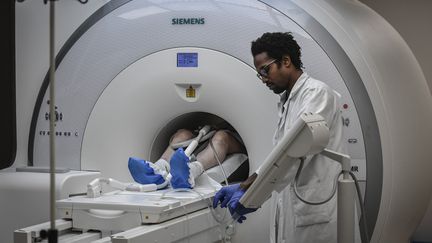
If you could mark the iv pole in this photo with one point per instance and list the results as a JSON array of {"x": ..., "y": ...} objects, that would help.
[{"x": 52, "y": 233}]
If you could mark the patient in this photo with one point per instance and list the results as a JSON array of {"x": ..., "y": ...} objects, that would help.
[{"x": 180, "y": 172}]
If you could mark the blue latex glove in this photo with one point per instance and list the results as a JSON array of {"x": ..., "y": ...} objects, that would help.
[
  {"x": 143, "y": 173},
  {"x": 230, "y": 196},
  {"x": 180, "y": 170}
]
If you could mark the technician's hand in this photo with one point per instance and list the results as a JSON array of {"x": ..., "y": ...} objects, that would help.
[
  {"x": 235, "y": 206},
  {"x": 230, "y": 196}
]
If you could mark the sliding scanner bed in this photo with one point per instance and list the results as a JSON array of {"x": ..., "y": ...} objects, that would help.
[{"x": 123, "y": 210}]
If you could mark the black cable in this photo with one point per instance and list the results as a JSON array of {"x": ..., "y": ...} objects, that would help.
[
  {"x": 302, "y": 159},
  {"x": 363, "y": 211},
  {"x": 359, "y": 195}
]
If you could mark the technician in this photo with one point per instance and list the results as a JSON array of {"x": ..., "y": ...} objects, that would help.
[{"x": 277, "y": 59}]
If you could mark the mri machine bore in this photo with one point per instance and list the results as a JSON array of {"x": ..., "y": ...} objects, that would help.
[{"x": 136, "y": 71}]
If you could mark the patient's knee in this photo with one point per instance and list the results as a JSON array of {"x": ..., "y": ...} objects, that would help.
[
  {"x": 225, "y": 139},
  {"x": 181, "y": 135},
  {"x": 221, "y": 137}
]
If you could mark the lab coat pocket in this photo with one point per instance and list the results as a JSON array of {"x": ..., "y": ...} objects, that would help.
[{"x": 305, "y": 214}]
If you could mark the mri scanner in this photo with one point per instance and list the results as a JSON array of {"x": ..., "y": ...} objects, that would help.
[{"x": 134, "y": 71}]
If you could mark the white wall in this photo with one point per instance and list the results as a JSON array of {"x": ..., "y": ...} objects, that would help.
[{"x": 413, "y": 20}]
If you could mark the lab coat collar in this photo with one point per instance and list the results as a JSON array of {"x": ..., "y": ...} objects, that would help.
[
  {"x": 285, "y": 96},
  {"x": 298, "y": 84},
  {"x": 282, "y": 104}
]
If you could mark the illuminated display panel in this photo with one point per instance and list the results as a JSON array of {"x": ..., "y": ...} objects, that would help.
[{"x": 187, "y": 59}]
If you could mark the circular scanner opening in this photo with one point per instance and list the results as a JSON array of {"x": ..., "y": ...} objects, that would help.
[{"x": 194, "y": 121}]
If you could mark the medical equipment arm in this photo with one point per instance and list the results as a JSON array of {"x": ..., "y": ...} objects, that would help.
[
  {"x": 308, "y": 135},
  {"x": 345, "y": 200}
]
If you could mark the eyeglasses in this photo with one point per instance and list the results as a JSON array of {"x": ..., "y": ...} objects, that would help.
[{"x": 264, "y": 71}]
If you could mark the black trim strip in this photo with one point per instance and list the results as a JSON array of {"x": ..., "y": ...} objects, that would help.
[
  {"x": 7, "y": 91},
  {"x": 13, "y": 85}
]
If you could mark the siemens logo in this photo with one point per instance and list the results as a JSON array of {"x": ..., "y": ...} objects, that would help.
[{"x": 176, "y": 21}]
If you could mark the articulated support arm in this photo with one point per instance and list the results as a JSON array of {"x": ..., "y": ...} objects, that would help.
[
  {"x": 308, "y": 135},
  {"x": 346, "y": 194}
]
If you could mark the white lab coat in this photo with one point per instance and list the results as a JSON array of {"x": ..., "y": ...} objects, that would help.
[{"x": 293, "y": 221}]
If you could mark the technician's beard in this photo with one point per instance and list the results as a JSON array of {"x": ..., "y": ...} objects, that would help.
[{"x": 278, "y": 90}]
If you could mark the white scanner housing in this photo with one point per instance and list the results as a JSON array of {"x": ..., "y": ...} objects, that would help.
[{"x": 122, "y": 92}]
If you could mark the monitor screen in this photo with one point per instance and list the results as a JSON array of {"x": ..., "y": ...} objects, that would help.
[{"x": 187, "y": 59}]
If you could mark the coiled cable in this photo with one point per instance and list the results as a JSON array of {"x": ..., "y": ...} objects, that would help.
[
  {"x": 359, "y": 195},
  {"x": 302, "y": 159}
]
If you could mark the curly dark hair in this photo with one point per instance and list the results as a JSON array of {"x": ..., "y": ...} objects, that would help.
[{"x": 277, "y": 45}]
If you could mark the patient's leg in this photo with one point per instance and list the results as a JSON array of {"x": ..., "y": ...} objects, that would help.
[
  {"x": 184, "y": 173},
  {"x": 224, "y": 144},
  {"x": 180, "y": 136},
  {"x": 146, "y": 172}
]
